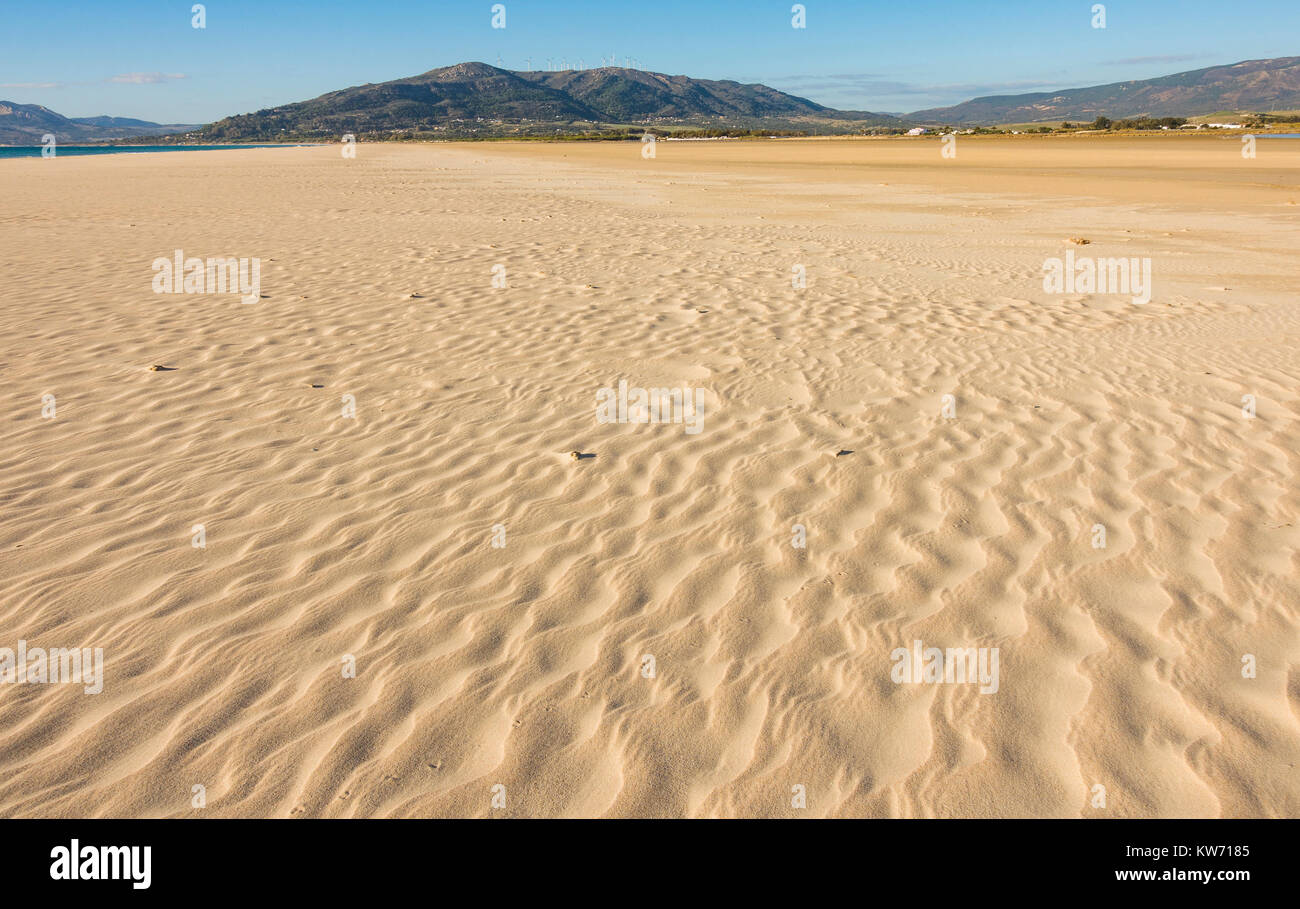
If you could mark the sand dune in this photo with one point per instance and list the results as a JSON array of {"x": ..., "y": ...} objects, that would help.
[{"x": 946, "y": 432}]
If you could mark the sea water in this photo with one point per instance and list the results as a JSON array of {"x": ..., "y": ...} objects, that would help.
[{"x": 34, "y": 151}]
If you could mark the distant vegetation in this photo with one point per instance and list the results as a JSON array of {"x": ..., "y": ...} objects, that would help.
[
  {"x": 546, "y": 132},
  {"x": 1140, "y": 123}
]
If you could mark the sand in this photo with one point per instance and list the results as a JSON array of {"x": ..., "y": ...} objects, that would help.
[{"x": 431, "y": 608}]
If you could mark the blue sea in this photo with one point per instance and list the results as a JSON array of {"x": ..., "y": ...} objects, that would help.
[{"x": 34, "y": 151}]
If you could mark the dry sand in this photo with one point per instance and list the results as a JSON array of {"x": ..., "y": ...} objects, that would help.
[{"x": 372, "y": 536}]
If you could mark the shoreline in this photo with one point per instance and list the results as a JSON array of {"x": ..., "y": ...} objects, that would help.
[{"x": 1288, "y": 131}]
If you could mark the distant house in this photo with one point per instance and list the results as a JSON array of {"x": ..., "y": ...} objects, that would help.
[{"x": 917, "y": 131}]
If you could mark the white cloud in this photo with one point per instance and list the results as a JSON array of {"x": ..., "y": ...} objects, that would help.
[
  {"x": 146, "y": 78},
  {"x": 1165, "y": 58},
  {"x": 867, "y": 82},
  {"x": 872, "y": 91}
]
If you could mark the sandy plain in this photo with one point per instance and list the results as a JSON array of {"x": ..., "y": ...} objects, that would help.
[{"x": 987, "y": 428}]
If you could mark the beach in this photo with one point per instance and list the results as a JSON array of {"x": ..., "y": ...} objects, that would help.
[{"x": 562, "y": 480}]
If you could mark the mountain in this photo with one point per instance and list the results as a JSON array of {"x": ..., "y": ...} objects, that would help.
[
  {"x": 26, "y": 124},
  {"x": 1253, "y": 85},
  {"x": 114, "y": 122},
  {"x": 631, "y": 95},
  {"x": 477, "y": 99}
]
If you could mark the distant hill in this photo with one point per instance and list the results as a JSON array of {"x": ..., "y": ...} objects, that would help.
[
  {"x": 630, "y": 95},
  {"x": 478, "y": 99},
  {"x": 115, "y": 122},
  {"x": 26, "y": 124},
  {"x": 1253, "y": 85}
]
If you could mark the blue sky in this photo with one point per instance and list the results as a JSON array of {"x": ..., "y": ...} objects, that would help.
[{"x": 142, "y": 58}]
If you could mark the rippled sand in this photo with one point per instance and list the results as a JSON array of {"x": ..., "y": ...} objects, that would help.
[{"x": 962, "y": 521}]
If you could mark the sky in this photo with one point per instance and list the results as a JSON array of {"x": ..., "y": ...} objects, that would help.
[{"x": 144, "y": 58}]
